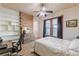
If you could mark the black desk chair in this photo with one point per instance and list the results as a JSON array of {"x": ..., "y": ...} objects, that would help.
[
  {"x": 77, "y": 37},
  {"x": 17, "y": 46}
]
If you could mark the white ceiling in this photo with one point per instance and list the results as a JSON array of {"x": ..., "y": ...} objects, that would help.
[{"x": 30, "y": 7}]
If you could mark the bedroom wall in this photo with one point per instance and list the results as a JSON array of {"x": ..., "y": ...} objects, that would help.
[
  {"x": 37, "y": 27},
  {"x": 9, "y": 24},
  {"x": 69, "y": 14},
  {"x": 26, "y": 21}
]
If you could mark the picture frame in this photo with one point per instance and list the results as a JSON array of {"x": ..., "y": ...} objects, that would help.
[{"x": 71, "y": 23}]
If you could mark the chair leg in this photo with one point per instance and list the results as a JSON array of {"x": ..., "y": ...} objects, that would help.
[{"x": 10, "y": 54}]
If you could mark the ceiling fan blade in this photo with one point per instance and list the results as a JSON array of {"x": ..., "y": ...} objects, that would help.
[
  {"x": 45, "y": 11},
  {"x": 38, "y": 15},
  {"x": 49, "y": 11}
]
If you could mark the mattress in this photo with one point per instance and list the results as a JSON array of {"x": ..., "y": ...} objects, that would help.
[{"x": 50, "y": 46}]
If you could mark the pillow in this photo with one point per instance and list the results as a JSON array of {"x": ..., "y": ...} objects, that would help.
[{"x": 74, "y": 46}]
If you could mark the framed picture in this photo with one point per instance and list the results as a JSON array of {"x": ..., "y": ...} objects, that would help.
[{"x": 71, "y": 23}]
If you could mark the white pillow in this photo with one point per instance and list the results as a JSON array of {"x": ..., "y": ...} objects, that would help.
[{"x": 74, "y": 46}]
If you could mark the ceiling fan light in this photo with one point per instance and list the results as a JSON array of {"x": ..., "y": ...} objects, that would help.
[
  {"x": 43, "y": 8},
  {"x": 42, "y": 14}
]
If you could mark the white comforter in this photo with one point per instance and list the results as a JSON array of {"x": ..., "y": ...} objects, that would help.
[{"x": 52, "y": 46}]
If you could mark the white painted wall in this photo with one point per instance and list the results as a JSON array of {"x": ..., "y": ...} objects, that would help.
[
  {"x": 35, "y": 27},
  {"x": 38, "y": 27},
  {"x": 69, "y": 14}
]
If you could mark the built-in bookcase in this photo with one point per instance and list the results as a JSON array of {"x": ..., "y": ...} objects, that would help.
[{"x": 9, "y": 24}]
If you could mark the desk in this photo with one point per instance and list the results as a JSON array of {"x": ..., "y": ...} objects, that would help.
[
  {"x": 9, "y": 42},
  {"x": 4, "y": 49},
  {"x": 2, "y": 46}
]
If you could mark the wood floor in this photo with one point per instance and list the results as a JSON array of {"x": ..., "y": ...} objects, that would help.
[{"x": 27, "y": 49}]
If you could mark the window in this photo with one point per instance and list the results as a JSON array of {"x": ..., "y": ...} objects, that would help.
[
  {"x": 53, "y": 27},
  {"x": 47, "y": 28}
]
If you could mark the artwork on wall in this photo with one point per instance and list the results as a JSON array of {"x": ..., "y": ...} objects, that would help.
[{"x": 71, "y": 23}]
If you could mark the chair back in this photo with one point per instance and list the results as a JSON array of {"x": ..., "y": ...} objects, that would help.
[
  {"x": 19, "y": 43},
  {"x": 1, "y": 40}
]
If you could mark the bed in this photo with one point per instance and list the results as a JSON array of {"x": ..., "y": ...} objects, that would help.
[{"x": 50, "y": 46}]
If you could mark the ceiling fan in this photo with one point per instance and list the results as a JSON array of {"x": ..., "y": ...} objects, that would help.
[{"x": 43, "y": 11}]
